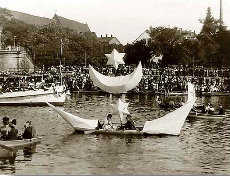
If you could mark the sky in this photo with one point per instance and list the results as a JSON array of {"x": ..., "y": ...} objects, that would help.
[{"x": 125, "y": 19}]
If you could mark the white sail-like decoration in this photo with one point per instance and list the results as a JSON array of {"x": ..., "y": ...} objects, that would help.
[
  {"x": 116, "y": 85},
  {"x": 76, "y": 122},
  {"x": 172, "y": 123}
]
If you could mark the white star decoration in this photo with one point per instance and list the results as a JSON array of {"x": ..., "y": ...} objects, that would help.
[
  {"x": 115, "y": 58},
  {"x": 120, "y": 107}
]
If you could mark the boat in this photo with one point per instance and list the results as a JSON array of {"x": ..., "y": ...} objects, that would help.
[
  {"x": 170, "y": 124},
  {"x": 118, "y": 84},
  {"x": 9, "y": 149},
  {"x": 206, "y": 116},
  {"x": 177, "y": 93},
  {"x": 55, "y": 95}
]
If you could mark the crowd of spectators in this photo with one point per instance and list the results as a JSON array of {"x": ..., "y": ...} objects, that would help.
[{"x": 155, "y": 78}]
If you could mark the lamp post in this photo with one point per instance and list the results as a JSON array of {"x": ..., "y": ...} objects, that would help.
[{"x": 14, "y": 42}]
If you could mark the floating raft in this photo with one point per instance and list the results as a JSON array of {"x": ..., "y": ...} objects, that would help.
[{"x": 9, "y": 148}]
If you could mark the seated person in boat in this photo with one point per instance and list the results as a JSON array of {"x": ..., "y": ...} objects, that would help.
[
  {"x": 108, "y": 122},
  {"x": 203, "y": 109},
  {"x": 4, "y": 129},
  {"x": 209, "y": 109},
  {"x": 29, "y": 131},
  {"x": 128, "y": 125},
  {"x": 13, "y": 132},
  {"x": 99, "y": 125},
  {"x": 221, "y": 110}
]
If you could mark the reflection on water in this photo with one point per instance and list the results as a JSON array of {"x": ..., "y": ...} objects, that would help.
[
  {"x": 202, "y": 148},
  {"x": 7, "y": 164}
]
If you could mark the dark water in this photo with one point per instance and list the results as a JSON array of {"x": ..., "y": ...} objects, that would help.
[{"x": 202, "y": 148}]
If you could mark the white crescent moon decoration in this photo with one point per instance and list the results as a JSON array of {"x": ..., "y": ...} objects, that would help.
[
  {"x": 118, "y": 84},
  {"x": 115, "y": 58}
]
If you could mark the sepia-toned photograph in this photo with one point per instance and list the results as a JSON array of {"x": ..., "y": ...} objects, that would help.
[{"x": 114, "y": 87}]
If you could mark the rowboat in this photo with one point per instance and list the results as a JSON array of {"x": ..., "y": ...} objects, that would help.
[
  {"x": 9, "y": 149},
  {"x": 206, "y": 116},
  {"x": 54, "y": 95},
  {"x": 170, "y": 124}
]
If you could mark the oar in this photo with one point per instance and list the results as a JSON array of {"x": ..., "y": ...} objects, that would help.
[{"x": 8, "y": 148}]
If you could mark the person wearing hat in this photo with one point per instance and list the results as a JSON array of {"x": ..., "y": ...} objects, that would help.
[
  {"x": 29, "y": 131},
  {"x": 4, "y": 129},
  {"x": 108, "y": 125},
  {"x": 13, "y": 133}
]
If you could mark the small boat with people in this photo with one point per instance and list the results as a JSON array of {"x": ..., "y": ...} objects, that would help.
[
  {"x": 54, "y": 94},
  {"x": 207, "y": 112},
  {"x": 169, "y": 124},
  {"x": 11, "y": 141}
]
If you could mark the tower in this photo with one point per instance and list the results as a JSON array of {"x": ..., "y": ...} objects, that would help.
[
  {"x": 1, "y": 37},
  {"x": 221, "y": 13}
]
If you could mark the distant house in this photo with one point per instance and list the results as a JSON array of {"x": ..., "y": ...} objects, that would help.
[
  {"x": 189, "y": 35},
  {"x": 185, "y": 34},
  {"x": 144, "y": 36},
  {"x": 109, "y": 39}
]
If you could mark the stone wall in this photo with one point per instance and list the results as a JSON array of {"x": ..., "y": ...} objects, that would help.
[{"x": 14, "y": 61}]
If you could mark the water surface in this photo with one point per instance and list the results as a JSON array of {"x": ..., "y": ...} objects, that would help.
[{"x": 202, "y": 148}]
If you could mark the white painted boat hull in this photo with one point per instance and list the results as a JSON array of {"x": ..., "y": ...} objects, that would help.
[{"x": 32, "y": 97}]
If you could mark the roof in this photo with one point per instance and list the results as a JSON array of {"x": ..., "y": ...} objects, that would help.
[
  {"x": 30, "y": 19},
  {"x": 71, "y": 24},
  {"x": 41, "y": 21},
  {"x": 110, "y": 40},
  {"x": 143, "y": 36}
]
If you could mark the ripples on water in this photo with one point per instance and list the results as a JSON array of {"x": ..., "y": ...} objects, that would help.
[{"x": 202, "y": 148}]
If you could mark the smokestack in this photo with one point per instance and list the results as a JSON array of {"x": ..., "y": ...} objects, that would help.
[
  {"x": 221, "y": 13},
  {"x": 1, "y": 36}
]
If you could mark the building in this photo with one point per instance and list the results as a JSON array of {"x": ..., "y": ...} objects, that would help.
[
  {"x": 144, "y": 36},
  {"x": 188, "y": 34},
  {"x": 70, "y": 24},
  {"x": 14, "y": 59},
  {"x": 185, "y": 34},
  {"x": 42, "y": 21},
  {"x": 111, "y": 40}
]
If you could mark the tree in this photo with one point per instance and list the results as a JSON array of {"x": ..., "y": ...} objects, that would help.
[
  {"x": 207, "y": 37},
  {"x": 210, "y": 24},
  {"x": 222, "y": 38},
  {"x": 166, "y": 41},
  {"x": 136, "y": 52}
]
